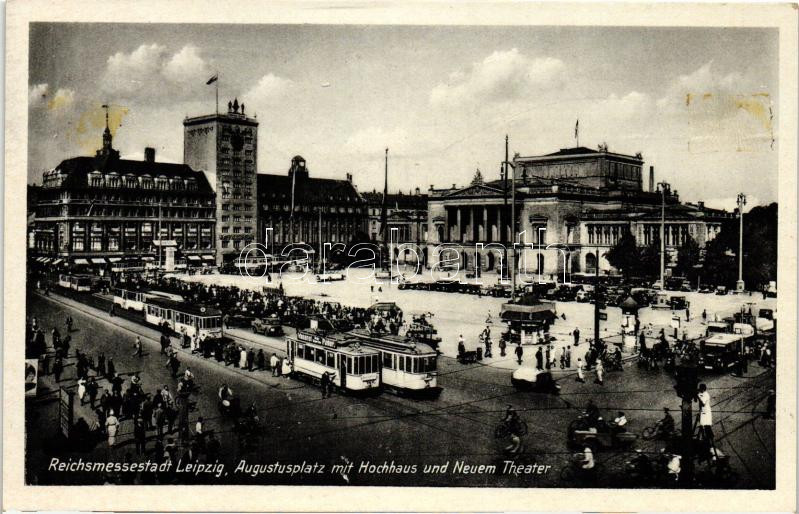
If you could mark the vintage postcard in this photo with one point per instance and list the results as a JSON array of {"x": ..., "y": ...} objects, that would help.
[{"x": 384, "y": 256}]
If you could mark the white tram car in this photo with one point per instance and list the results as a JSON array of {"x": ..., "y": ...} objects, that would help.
[
  {"x": 351, "y": 366},
  {"x": 75, "y": 282},
  {"x": 136, "y": 300},
  {"x": 205, "y": 321},
  {"x": 407, "y": 367}
]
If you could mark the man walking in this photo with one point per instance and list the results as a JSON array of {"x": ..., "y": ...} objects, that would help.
[
  {"x": 568, "y": 357},
  {"x": 519, "y": 353},
  {"x": 273, "y": 363},
  {"x": 539, "y": 363},
  {"x": 576, "y": 334},
  {"x": 137, "y": 347},
  {"x": 580, "y": 371},
  {"x": 325, "y": 383},
  {"x": 548, "y": 355}
]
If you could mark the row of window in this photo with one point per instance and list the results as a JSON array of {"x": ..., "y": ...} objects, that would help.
[
  {"x": 236, "y": 219},
  {"x": 312, "y": 208},
  {"x": 112, "y": 179},
  {"x": 354, "y": 365},
  {"x": 237, "y": 230},
  {"x": 408, "y": 363},
  {"x": 237, "y": 244},
  {"x": 236, "y": 207}
]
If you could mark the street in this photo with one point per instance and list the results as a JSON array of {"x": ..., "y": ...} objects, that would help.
[{"x": 386, "y": 439}]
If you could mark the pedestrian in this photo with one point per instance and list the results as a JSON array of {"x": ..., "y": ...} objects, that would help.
[
  {"x": 261, "y": 360},
  {"x": 199, "y": 430},
  {"x": 568, "y": 357},
  {"x": 539, "y": 363},
  {"x": 92, "y": 388},
  {"x": 110, "y": 368},
  {"x": 101, "y": 365},
  {"x": 519, "y": 353},
  {"x": 325, "y": 383},
  {"x": 580, "y": 371},
  {"x": 461, "y": 346},
  {"x": 81, "y": 389},
  {"x": 274, "y": 363},
  {"x": 600, "y": 371},
  {"x": 250, "y": 359},
  {"x": 576, "y": 334},
  {"x": 704, "y": 314},
  {"x": 212, "y": 448},
  {"x": 58, "y": 367},
  {"x": 111, "y": 427},
  {"x": 705, "y": 413},
  {"x": 687, "y": 314},
  {"x": 285, "y": 367},
  {"x": 502, "y": 346},
  {"x": 242, "y": 357},
  {"x": 138, "y": 347},
  {"x": 140, "y": 435},
  {"x": 548, "y": 357},
  {"x": 562, "y": 357},
  {"x": 160, "y": 417}
]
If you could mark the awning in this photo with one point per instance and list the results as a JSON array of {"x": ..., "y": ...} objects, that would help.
[
  {"x": 98, "y": 260},
  {"x": 148, "y": 258},
  {"x": 114, "y": 259},
  {"x": 58, "y": 261},
  {"x": 209, "y": 257},
  {"x": 165, "y": 242},
  {"x": 194, "y": 257},
  {"x": 81, "y": 261},
  {"x": 45, "y": 260}
]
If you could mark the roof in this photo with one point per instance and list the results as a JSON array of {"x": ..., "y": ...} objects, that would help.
[
  {"x": 579, "y": 150},
  {"x": 392, "y": 342},
  {"x": 397, "y": 200},
  {"x": 78, "y": 168},
  {"x": 306, "y": 189}
]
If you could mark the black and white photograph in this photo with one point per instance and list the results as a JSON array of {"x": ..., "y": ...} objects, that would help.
[{"x": 404, "y": 255}]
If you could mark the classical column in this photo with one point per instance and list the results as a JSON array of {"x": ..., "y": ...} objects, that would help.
[
  {"x": 486, "y": 230},
  {"x": 500, "y": 228},
  {"x": 459, "y": 237},
  {"x": 471, "y": 224}
]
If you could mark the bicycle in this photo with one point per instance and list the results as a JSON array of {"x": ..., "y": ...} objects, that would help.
[{"x": 504, "y": 429}]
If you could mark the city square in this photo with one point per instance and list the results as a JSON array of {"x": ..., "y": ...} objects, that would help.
[{"x": 252, "y": 282}]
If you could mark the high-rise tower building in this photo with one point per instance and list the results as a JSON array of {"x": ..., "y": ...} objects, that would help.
[{"x": 225, "y": 147}]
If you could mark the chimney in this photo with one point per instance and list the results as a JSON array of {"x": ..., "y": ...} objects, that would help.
[
  {"x": 349, "y": 177},
  {"x": 651, "y": 179},
  {"x": 453, "y": 186},
  {"x": 149, "y": 154}
]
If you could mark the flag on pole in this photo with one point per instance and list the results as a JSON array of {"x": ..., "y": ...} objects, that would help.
[
  {"x": 212, "y": 80},
  {"x": 576, "y": 127}
]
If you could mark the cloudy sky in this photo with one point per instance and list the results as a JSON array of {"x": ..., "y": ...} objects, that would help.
[{"x": 696, "y": 102}]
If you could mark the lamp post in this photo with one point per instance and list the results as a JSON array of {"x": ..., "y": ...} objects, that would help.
[
  {"x": 664, "y": 189},
  {"x": 739, "y": 286}
]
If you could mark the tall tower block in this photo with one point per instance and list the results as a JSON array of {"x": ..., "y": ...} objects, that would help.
[{"x": 225, "y": 147}]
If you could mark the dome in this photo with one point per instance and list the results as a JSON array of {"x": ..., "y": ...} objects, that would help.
[{"x": 629, "y": 305}]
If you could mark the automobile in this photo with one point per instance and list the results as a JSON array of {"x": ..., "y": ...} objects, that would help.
[
  {"x": 721, "y": 290},
  {"x": 706, "y": 290},
  {"x": 771, "y": 289},
  {"x": 657, "y": 284},
  {"x": 584, "y": 296},
  {"x": 679, "y": 303},
  {"x": 600, "y": 437},
  {"x": 530, "y": 379},
  {"x": 267, "y": 327},
  {"x": 720, "y": 351},
  {"x": 686, "y": 286},
  {"x": 766, "y": 314},
  {"x": 238, "y": 320}
]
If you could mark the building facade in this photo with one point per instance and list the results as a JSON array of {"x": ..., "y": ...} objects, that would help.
[
  {"x": 571, "y": 207},
  {"x": 225, "y": 148},
  {"x": 406, "y": 218},
  {"x": 297, "y": 208},
  {"x": 105, "y": 212}
]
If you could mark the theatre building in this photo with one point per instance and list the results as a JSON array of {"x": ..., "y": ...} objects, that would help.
[
  {"x": 571, "y": 208},
  {"x": 298, "y": 208},
  {"x": 107, "y": 213}
]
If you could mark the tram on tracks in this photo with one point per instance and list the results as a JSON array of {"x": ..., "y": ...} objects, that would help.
[
  {"x": 76, "y": 282},
  {"x": 408, "y": 367},
  {"x": 352, "y": 367},
  {"x": 131, "y": 299},
  {"x": 179, "y": 316}
]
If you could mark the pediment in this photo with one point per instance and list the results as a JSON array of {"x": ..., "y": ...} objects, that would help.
[{"x": 475, "y": 190}]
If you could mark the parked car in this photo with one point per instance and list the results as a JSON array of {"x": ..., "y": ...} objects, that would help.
[
  {"x": 721, "y": 290},
  {"x": 267, "y": 327},
  {"x": 239, "y": 321}
]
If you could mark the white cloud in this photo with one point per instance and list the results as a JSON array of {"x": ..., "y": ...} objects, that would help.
[
  {"x": 186, "y": 66},
  {"x": 150, "y": 72},
  {"x": 268, "y": 90},
  {"x": 502, "y": 76}
]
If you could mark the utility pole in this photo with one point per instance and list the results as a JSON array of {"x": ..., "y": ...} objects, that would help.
[
  {"x": 686, "y": 388},
  {"x": 513, "y": 260},
  {"x": 664, "y": 188},
  {"x": 599, "y": 298},
  {"x": 503, "y": 235},
  {"x": 739, "y": 286},
  {"x": 384, "y": 219}
]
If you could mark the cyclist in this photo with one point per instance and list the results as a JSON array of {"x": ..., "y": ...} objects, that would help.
[{"x": 665, "y": 426}]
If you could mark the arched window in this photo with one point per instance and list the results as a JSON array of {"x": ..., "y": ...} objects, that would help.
[
  {"x": 590, "y": 262},
  {"x": 130, "y": 181},
  {"x": 146, "y": 181},
  {"x": 112, "y": 179},
  {"x": 96, "y": 179}
]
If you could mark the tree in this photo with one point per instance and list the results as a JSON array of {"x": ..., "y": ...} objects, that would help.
[
  {"x": 688, "y": 257},
  {"x": 649, "y": 265},
  {"x": 625, "y": 255}
]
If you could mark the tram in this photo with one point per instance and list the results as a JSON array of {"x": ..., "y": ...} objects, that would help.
[
  {"x": 205, "y": 321},
  {"x": 130, "y": 299},
  {"x": 75, "y": 282},
  {"x": 352, "y": 366},
  {"x": 407, "y": 367}
]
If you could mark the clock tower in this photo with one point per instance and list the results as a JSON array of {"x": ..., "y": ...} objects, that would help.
[{"x": 225, "y": 147}]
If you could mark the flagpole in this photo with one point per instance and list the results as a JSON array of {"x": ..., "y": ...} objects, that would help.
[{"x": 217, "y": 92}]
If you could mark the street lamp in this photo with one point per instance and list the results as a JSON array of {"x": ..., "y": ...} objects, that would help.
[
  {"x": 664, "y": 188},
  {"x": 739, "y": 286}
]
